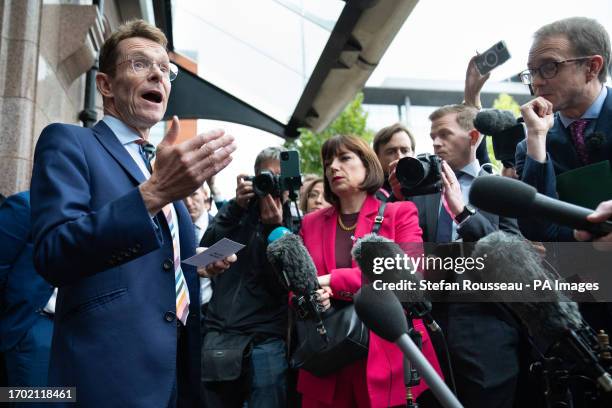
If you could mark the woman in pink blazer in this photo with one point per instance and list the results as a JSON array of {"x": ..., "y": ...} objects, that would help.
[{"x": 352, "y": 176}]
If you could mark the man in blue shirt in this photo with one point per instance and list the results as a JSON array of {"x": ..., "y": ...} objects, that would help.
[{"x": 567, "y": 67}]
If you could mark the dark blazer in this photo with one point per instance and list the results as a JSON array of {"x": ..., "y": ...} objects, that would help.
[
  {"x": 115, "y": 334},
  {"x": 482, "y": 338},
  {"x": 23, "y": 292},
  {"x": 561, "y": 157},
  {"x": 477, "y": 226}
]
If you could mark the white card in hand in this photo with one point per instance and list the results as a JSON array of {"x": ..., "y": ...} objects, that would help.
[{"x": 220, "y": 250}]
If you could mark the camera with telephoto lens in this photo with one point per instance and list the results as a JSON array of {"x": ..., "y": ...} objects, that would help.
[{"x": 420, "y": 175}]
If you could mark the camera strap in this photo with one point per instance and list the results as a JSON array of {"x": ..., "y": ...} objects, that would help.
[{"x": 379, "y": 217}]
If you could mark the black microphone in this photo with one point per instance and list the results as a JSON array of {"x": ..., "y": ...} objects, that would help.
[
  {"x": 494, "y": 121},
  {"x": 373, "y": 246},
  {"x": 554, "y": 323},
  {"x": 382, "y": 313},
  {"x": 292, "y": 262},
  {"x": 512, "y": 198},
  {"x": 506, "y": 132}
]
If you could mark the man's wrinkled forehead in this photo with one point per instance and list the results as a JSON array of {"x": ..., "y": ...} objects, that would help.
[
  {"x": 553, "y": 48},
  {"x": 141, "y": 47}
]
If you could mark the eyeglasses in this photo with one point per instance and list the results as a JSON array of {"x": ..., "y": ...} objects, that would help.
[
  {"x": 142, "y": 66},
  {"x": 546, "y": 71}
]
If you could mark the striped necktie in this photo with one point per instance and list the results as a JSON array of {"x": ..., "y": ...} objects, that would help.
[{"x": 147, "y": 151}]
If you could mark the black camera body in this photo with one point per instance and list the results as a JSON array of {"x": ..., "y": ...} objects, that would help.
[
  {"x": 290, "y": 178},
  {"x": 420, "y": 175},
  {"x": 266, "y": 183},
  {"x": 493, "y": 57}
]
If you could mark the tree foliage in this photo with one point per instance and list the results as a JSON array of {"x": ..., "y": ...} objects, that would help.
[
  {"x": 502, "y": 102},
  {"x": 352, "y": 121}
]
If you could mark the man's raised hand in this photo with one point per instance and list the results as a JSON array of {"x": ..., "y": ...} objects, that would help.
[{"x": 181, "y": 168}]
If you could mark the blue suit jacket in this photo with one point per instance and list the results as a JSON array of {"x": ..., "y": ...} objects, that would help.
[
  {"x": 22, "y": 291},
  {"x": 115, "y": 334},
  {"x": 561, "y": 157}
]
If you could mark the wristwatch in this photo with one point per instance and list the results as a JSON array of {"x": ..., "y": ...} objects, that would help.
[{"x": 467, "y": 212}]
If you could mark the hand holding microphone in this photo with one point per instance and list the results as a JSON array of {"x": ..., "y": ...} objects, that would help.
[
  {"x": 513, "y": 198},
  {"x": 602, "y": 213},
  {"x": 292, "y": 262}
]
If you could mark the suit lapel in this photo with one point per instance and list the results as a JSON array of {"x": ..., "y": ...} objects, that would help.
[
  {"x": 329, "y": 239},
  {"x": 559, "y": 141},
  {"x": 604, "y": 124},
  {"x": 365, "y": 220},
  {"x": 604, "y": 121},
  {"x": 107, "y": 138}
]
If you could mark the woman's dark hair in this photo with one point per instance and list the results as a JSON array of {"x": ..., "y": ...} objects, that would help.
[{"x": 374, "y": 173}]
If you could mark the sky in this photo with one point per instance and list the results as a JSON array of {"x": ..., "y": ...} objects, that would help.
[{"x": 256, "y": 53}]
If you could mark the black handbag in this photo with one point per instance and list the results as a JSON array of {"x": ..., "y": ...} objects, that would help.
[{"x": 347, "y": 336}]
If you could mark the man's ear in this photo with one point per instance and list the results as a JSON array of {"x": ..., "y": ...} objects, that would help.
[
  {"x": 594, "y": 66},
  {"x": 475, "y": 137},
  {"x": 104, "y": 85}
]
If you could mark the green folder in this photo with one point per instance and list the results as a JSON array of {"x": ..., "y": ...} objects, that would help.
[{"x": 586, "y": 186}]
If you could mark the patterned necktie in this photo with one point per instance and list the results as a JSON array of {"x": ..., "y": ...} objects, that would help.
[
  {"x": 577, "y": 128},
  {"x": 147, "y": 151}
]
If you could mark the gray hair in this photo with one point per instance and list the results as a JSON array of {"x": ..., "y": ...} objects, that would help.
[
  {"x": 586, "y": 35},
  {"x": 269, "y": 153}
]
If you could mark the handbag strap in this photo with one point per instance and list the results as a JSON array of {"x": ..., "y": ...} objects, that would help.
[{"x": 379, "y": 217}]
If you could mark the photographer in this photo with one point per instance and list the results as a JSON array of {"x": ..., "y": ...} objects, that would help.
[
  {"x": 390, "y": 144},
  {"x": 482, "y": 341},
  {"x": 247, "y": 315}
]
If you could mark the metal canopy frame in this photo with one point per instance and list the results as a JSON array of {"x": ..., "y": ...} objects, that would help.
[
  {"x": 341, "y": 71},
  {"x": 207, "y": 101}
]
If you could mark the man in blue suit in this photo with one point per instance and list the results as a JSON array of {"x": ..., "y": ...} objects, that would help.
[
  {"x": 26, "y": 301},
  {"x": 110, "y": 233},
  {"x": 568, "y": 65}
]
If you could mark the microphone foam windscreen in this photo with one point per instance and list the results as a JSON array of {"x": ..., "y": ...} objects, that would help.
[
  {"x": 289, "y": 255},
  {"x": 511, "y": 259},
  {"x": 494, "y": 121},
  {"x": 502, "y": 196},
  {"x": 373, "y": 246},
  {"x": 381, "y": 312}
]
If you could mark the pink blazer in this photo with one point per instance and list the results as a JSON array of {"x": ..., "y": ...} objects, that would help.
[{"x": 400, "y": 224}]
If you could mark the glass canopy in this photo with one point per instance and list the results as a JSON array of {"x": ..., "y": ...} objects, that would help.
[{"x": 262, "y": 52}]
